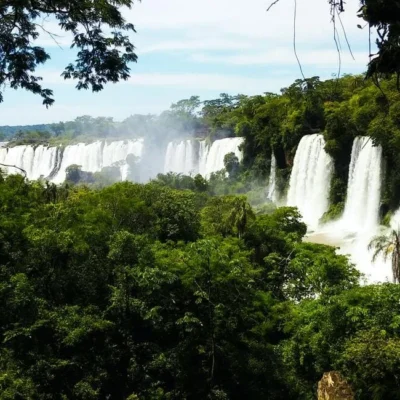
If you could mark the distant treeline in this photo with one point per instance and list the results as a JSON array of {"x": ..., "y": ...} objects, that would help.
[{"x": 188, "y": 117}]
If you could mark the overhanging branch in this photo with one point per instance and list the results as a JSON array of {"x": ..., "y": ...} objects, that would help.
[{"x": 14, "y": 166}]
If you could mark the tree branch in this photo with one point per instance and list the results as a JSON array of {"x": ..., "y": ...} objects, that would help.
[
  {"x": 52, "y": 35},
  {"x": 272, "y": 4},
  {"x": 14, "y": 166}
]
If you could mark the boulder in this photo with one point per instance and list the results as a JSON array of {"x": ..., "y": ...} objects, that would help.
[{"x": 333, "y": 386}]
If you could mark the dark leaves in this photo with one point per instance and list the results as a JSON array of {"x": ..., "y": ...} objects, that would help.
[{"x": 101, "y": 57}]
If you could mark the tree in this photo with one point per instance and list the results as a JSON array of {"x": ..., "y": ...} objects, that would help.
[
  {"x": 231, "y": 163},
  {"x": 187, "y": 106},
  {"x": 384, "y": 16},
  {"x": 102, "y": 57},
  {"x": 75, "y": 175},
  {"x": 388, "y": 246},
  {"x": 226, "y": 216}
]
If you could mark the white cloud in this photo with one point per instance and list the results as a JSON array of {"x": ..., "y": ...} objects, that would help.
[
  {"x": 208, "y": 47},
  {"x": 36, "y": 113},
  {"x": 222, "y": 82},
  {"x": 234, "y": 25},
  {"x": 285, "y": 56},
  {"x": 194, "y": 44},
  {"x": 247, "y": 20}
]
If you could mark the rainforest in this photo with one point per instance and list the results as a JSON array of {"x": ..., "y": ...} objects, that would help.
[{"x": 192, "y": 255}]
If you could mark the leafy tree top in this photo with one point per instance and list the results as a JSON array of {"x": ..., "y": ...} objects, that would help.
[{"x": 100, "y": 34}]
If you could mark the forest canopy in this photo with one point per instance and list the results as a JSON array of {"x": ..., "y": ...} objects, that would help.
[
  {"x": 149, "y": 292},
  {"x": 187, "y": 288}
]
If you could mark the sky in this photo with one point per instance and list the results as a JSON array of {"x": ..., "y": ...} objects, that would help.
[{"x": 199, "y": 47}]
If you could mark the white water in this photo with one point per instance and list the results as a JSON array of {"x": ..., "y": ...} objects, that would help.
[
  {"x": 364, "y": 188},
  {"x": 190, "y": 157},
  {"x": 187, "y": 157},
  {"x": 361, "y": 214},
  {"x": 204, "y": 149},
  {"x": 52, "y": 162},
  {"x": 219, "y": 149},
  {"x": 395, "y": 221},
  {"x": 360, "y": 220},
  {"x": 272, "y": 194},
  {"x": 310, "y": 179},
  {"x": 36, "y": 162},
  {"x": 182, "y": 157}
]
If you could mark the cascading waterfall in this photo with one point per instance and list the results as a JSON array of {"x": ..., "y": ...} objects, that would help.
[
  {"x": 204, "y": 149},
  {"x": 308, "y": 190},
  {"x": 52, "y": 162},
  {"x": 187, "y": 157},
  {"x": 37, "y": 162},
  {"x": 361, "y": 213},
  {"x": 360, "y": 221},
  {"x": 272, "y": 195},
  {"x": 310, "y": 179},
  {"x": 218, "y": 150},
  {"x": 181, "y": 157},
  {"x": 191, "y": 157},
  {"x": 364, "y": 187}
]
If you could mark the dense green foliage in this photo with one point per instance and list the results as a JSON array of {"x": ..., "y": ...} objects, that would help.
[{"x": 150, "y": 292}]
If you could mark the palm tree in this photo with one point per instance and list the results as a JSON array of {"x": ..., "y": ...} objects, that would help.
[
  {"x": 388, "y": 246},
  {"x": 240, "y": 214}
]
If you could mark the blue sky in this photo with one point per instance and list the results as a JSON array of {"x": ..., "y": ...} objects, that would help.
[{"x": 199, "y": 47}]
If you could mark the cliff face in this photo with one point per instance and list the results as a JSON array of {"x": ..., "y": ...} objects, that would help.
[{"x": 333, "y": 387}]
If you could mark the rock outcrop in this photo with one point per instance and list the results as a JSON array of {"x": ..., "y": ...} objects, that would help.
[{"x": 333, "y": 386}]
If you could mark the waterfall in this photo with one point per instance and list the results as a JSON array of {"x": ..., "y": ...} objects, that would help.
[
  {"x": 360, "y": 220},
  {"x": 190, "y": 156},
  {"x": 272, "y": 195},
  {"x": 395, "y": 221},
  {"x": 95, "y": 156},
  {"x": 361, "y": 211},
  {"x": 52, "y": 162},
  {"x": 37, "y": 162},
  {"x": 310, "y": 179},
  {"x": 203, "y": 153},
  {"x": 181, "y": 158},
  {"x": 218, "y": 150}
]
